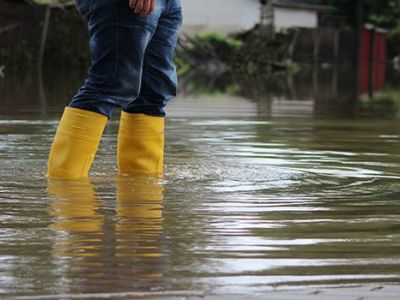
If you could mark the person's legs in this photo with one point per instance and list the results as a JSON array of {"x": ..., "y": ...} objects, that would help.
[
  {"x": 141, "y": 133},
  {"x": 118, "y": 40},
  {"x": 159, "y": 80}
]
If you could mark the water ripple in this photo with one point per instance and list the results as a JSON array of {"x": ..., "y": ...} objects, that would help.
[{"x": 246, "y": 204}]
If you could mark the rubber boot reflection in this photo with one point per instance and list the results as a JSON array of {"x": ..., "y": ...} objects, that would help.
[
  {"x": 75, "y": 207},
  {"x": 139, "y": 209}
]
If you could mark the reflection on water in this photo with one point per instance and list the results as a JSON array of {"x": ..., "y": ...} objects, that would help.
[
  {"x": 247, "y": 204},
  {"x": 313, "y": 90},
  {"x": 109, "y": 245},
  {"x": 75, "y": 207}
]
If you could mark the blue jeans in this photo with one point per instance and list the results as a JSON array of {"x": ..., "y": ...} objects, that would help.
[{"x": 132, "y": 57}]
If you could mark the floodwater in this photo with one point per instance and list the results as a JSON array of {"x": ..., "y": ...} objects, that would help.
[{"x": 248, "y": 203}]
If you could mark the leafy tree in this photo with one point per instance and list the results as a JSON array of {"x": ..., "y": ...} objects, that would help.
[{"x": 384, "y": 14}]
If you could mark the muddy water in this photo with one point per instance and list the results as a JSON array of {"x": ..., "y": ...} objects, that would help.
[{"x": 247, "y": 204}]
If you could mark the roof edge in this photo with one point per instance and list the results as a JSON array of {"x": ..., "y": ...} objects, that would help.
[{"x": 314, "y": 7}]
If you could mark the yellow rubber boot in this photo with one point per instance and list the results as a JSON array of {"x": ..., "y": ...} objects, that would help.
[
  {"x": 140, "y": 144},
  {"x": 75, "y": 144}
]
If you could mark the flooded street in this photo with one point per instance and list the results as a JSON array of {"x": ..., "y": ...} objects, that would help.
[
  {"x": 282, "y": 150},
  {"x": 249, "y": 203}
]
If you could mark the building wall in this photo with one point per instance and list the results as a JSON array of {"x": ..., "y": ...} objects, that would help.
[
  {"x": 285, "y": 18},
  {"x": 223, "y": 16}
]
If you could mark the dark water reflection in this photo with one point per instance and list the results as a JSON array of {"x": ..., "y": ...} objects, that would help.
[{"x": 312, "y": 91}]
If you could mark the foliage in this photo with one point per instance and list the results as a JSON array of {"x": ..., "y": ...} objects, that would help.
[
  {"x": 218, "y": 40},
  {"x": 260, "y": 55},
  {"x": 206, "y": 51},
  {"x": 50, "y": 2},
  {"x": 211, "y": 46},
  {"x": 383, "y": 104},
  {"x": 384, "y": 14}
]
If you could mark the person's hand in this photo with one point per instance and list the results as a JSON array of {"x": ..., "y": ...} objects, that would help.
[{"x": 143, "y": 7}]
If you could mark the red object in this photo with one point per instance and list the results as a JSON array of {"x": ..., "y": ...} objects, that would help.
[{"x": 373, "y": 56}]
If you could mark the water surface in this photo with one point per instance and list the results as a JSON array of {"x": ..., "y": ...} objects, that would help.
[{"x": 248, "y": 203}]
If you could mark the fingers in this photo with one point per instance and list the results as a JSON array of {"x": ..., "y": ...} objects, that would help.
[
  {"x": 143, "y": 7},
  {"x": 153, "y": 5},
  {"x": 146, "y": 8},
  {"x": 132, "y": 4},
  {"x": 138, "y": 6}
]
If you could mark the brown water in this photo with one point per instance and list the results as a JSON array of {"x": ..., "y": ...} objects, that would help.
[{"x": 247, "y": 204}]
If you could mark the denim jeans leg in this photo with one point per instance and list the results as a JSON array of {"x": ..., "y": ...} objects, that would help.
[
  {"x": 118, "y": 40},
  {"x": 159, "y": 79}
]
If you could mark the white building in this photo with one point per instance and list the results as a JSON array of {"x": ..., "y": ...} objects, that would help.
[
  {"x": 222, "y": 16},
  {"x": 285, "y": 14},
  {"x": 230, "y": 16}
]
